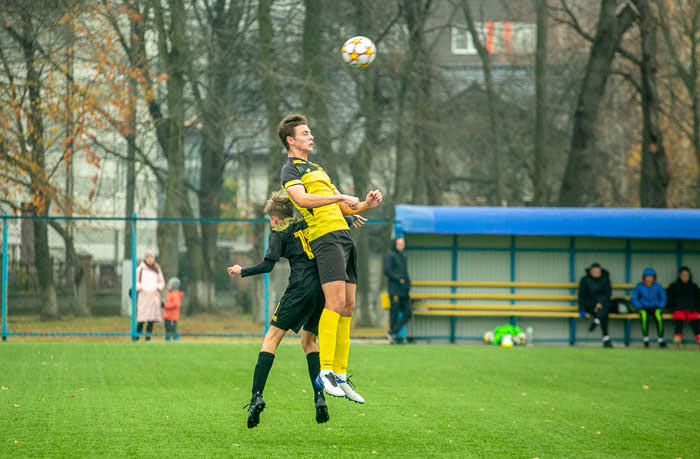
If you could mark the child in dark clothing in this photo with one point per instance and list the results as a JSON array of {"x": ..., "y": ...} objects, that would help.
[{"x": 683, "y": 298}]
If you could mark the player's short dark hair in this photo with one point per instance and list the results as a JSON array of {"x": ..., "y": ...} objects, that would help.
[
  {"x": 279, "y": 205},
  {"x": 287, "y": 125}
]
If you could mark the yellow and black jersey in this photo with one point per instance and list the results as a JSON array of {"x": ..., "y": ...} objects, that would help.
[
  {"x": 321, "y": 220},
  {"x": 290, "y": 240}
]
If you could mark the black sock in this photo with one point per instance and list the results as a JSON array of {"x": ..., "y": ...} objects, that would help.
[
  {"x": 314, "y": 365},
  {"x": 262, "y": 369}
]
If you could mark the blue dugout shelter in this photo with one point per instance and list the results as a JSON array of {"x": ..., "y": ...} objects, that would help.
[{"x": 478, "y": 267}]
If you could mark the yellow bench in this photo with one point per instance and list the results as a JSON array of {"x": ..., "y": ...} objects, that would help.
[{"x": 422, "y": 308}]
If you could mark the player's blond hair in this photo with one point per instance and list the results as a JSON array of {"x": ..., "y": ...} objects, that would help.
[{"x": 279, "y": 205}]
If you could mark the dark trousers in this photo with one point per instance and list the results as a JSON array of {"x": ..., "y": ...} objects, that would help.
[
  {"x": 678, "y": 326},
  {"x": 601, "y": 315},
  {"x": 171, "y": 330},
  {"x": 400, "y": 305},
  {"x": 655, "y": 315},
  {"x": 149, "y": 330}
]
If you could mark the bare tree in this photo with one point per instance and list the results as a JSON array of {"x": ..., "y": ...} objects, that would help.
[
  {"x": 579, "y": 183},
  {"x": 655, "y": 178},
  {"x": 491, "y": 92},
  {"x": 540, "y": 167}
]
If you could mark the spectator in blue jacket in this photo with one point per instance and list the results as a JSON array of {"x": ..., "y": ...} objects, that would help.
[{"x": 649, "y": 297}]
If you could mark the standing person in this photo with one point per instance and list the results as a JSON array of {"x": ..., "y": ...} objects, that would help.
[
  {"x": 594, "y": 292},
  {"x": 300, "y": 306},
  {"x": 683, "y": 298},
  {"x": 396, "y": 270},
  {"x": 171, "y": 308},
  {"x": 649, "y": 297},
  {"x": 149, "y": 283},
  {"x": 323, "y": 206}
]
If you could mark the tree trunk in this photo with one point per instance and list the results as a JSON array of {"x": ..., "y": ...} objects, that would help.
[
  {"x": 491, "y": 97},
  {"x": 315, "y": 88},
  {"x": 38, "y": 186},
  {"x": 654, "y": 176},
  {"x": 540, "y": 172},
  {"x": 579, "y": 185},
  {"x": 266, "y": 69}
]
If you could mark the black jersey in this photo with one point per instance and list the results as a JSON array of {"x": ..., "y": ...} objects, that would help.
[{"x": 290, "y": 240}]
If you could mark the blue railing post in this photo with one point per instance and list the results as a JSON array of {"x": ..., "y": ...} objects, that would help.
[
  {"x": 133, "y": 275},
  {"x": 572, "y": 279},
  {"x": 4, "y": 276},
  {"x": 266, "y": 286},
  {"x": 455, "y": 267}
]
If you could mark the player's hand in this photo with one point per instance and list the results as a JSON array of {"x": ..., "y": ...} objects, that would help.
[
  {"x": 373, "y": 199},
  {"x": 351, "y": 201},
  {"x": 235, "y": 269},
  {"x": 359, "y": 221}
]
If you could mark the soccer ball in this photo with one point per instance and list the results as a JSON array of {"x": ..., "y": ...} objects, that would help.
[
  {"x": 521, "y": 339},
  {"x": 358, "y": 52},
  {"x": 488, "y": 337}
]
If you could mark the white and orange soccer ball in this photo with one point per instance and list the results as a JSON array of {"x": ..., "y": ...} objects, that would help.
[{"x": 359, "y": 52}]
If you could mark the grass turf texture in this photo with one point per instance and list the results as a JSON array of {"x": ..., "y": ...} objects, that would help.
[{"x": 184, "y": 399}]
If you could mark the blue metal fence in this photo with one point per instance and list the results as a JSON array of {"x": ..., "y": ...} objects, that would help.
[{"x": 133, "y": 221}]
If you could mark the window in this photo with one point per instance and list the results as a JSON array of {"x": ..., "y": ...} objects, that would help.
[
  {"x": 497, "y": 38},
  {"x": 462, "y": 42}
]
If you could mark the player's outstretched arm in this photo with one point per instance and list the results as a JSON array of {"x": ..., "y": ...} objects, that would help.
[
  {"x": 372, "y": 200},
  {"x": 298, "y": 194},
  {"x": 263, "y": 267}
]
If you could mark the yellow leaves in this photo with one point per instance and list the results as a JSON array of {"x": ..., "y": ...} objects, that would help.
[{"x": 162, "y": 77}]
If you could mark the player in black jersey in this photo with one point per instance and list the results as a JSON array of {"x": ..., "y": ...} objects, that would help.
[{"x": 300, "y": 306}]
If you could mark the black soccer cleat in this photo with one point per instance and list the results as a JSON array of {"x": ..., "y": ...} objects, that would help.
[
  {"x": 607, "y": 343},
  {"x": 255, "y": 407},
  {"x": 662, "y": 344},
  {"x": 322, "y": 415}
]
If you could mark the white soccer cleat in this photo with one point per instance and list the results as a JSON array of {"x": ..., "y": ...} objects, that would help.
[
  {"x": 328, "y": 383},
  {"x": 349, "y": 391}
]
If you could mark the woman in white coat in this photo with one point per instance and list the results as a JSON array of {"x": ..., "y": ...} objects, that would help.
[{"x": 149, "y": 283}]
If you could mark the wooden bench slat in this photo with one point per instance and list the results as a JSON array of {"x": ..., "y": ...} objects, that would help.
[
  {"x": 491, "y": 296},
  {"x": 504, "y": 284},
  {"x": 496, "y": 307}
]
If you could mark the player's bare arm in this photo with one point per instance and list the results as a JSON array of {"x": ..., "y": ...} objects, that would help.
[
  {"x": 298, "y": 194},
  {"x": 372, "y": 200}
]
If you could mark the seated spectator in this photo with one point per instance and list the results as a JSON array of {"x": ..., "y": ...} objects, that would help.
[
  {"x": 683, "y": 298},
  {"x": 594, "y": 298},
  {"x": 649, "y": 297}
]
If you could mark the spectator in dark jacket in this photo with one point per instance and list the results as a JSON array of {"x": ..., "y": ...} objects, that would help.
[
  {"x": 396, "y": 270},
  {"x": 594, "y": 298},
  {"x": 683, "y": 297}
]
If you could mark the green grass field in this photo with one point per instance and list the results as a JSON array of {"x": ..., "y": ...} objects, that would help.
[{"x": 185, "y": 399}]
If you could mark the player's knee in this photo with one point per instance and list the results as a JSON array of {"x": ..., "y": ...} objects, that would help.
[
  {"x": 336, "y": 303},
  {"x": 348, "y": 307}
]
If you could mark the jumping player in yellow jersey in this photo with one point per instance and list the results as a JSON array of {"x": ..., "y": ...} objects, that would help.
[{"x": 323, "y": 207}]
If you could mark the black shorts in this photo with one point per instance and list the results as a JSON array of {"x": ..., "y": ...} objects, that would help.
[
  {"x": 336, "y": 257},
  {"x": 300, "y": 306}
]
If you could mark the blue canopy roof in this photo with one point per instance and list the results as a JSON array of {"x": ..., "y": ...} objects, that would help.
[{"x": 551, "y": 221}]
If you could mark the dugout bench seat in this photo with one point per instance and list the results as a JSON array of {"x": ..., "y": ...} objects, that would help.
[{"x": 422, "y": 306}]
